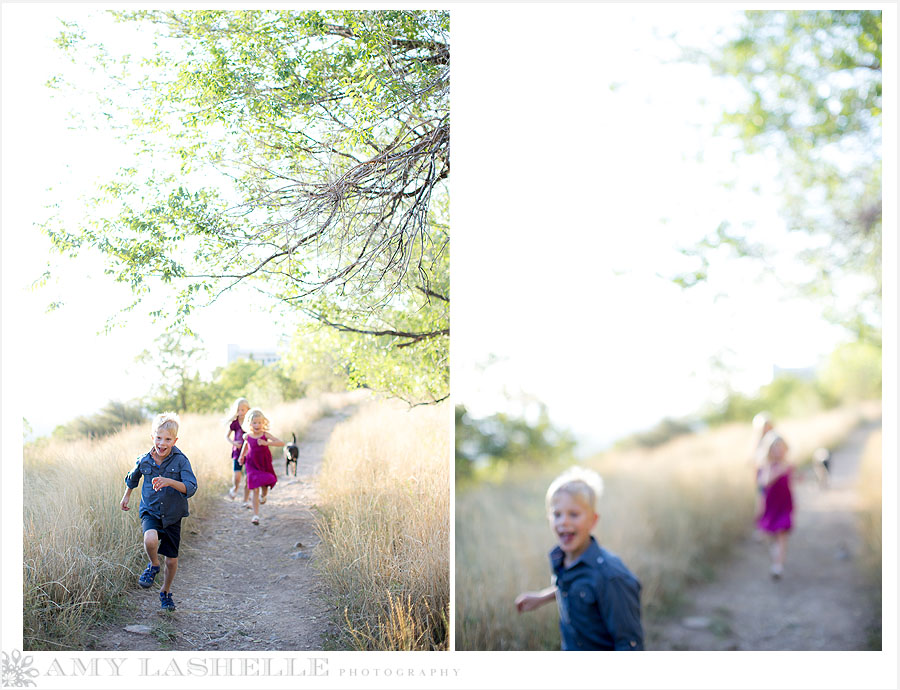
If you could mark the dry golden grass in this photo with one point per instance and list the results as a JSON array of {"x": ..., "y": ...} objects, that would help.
[
  {"x": 385, "y": 527},
  {"x": 869, "y": 490},
  {"x": 671, "y": 513},
  {"x": 827, "y": 429},
  {"x": 870, "y": 517},
  {"x": 81, "y": 551}
]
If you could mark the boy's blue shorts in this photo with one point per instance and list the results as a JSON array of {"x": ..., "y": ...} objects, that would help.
[
  {"x": 169, "y": 537},
  {"x": 238, "y": 467}
]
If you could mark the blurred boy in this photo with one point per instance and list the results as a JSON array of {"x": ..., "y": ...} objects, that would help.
[
  {"x": 598, "y": 597},
  {"x": 168, "y": 483}
]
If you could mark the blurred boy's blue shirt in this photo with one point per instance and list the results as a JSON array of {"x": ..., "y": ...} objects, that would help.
[
  {"x": 167, "y": 504},
  {"x": 599, "y": 601}
]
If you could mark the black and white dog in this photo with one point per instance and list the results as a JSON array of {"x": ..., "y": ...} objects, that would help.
[
  {"x": 822, "y": 466},
  {"x": 291, "y": 452}
]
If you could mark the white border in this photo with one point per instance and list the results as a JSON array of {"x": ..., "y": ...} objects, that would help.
[{"x": 509, "y": 669}]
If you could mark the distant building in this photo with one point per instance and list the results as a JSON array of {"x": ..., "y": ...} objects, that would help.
[
  {"x": 265, "y": 356},
  {"x": 803, "y": 373}
]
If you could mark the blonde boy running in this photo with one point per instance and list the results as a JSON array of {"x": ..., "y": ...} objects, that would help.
[
  {"x": 599, "y": 599},
  {"x": 168, "y": 483}
]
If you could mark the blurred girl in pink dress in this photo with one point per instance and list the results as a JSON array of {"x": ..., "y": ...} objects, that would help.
[
  {"x": 235, "y": 437},
  {"x": 258, "y": 458},
  {"x": 778, "y": 504}
]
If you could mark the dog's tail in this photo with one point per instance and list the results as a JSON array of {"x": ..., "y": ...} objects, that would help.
[{"x": 294, "y": 436}]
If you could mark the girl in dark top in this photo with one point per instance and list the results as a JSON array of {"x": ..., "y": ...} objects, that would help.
[{"x": 235, "y": 436}]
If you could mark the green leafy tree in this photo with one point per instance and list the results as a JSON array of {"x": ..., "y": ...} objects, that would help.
[
  {"x": 270, "y": 385},
  {"x": 811, "y": 86},
  {"x": 301, "y": 154},
  {"x": 231, "y": 382},
  {"x": 315, "y": 361},
  {"x": 853, "y": 372},
  {"x": 260, "y": 383},
  {"x": 503, "y": 439},
  {"x": 178, "y": 385},
  {"x": 793, "y": 396},
  {"x": 786, "y": 395}
]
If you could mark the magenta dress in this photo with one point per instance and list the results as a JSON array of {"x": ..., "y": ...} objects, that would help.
[
  {"x": 259, "y": 464},
  {"x": 776, "y": 516},
  {"x": 238, "y": 437}
]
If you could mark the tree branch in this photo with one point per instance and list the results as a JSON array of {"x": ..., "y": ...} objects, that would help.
[
  {"x": 412, "y": 337},
  {"x": 432, "y": 293}
]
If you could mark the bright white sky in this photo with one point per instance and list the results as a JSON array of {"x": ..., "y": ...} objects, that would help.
[
  {"x": 569, "y": 198},
  {"x": 579, "y": 196},
  {"x": 71, "y": 369}
]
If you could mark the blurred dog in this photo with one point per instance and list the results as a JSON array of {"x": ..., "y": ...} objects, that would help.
[
  {"x": 822, "y": 466},
  {"x": 291, "y": 453}
]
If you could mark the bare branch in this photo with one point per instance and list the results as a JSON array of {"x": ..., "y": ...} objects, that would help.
[{"x": 411, "y": 337}]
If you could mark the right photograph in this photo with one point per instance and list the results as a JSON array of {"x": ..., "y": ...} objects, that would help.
[{"x": 668, "y": 413}]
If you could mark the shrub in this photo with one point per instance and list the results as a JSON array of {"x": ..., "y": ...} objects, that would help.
[{"x": 111, "y": 419}]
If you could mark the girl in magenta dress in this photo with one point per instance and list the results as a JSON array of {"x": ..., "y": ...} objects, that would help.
[
  {"x": 778, "y": 507},
  {"x": 235, "y": 437},
  {"x": 257, "y": 458}
]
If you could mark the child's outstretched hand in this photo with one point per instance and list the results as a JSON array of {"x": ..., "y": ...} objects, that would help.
[
  {"x": 123, "y": 504},
  {"x": 528, "y": 601}
]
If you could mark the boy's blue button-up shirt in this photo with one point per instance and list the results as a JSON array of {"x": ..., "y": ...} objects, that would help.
[
  {"x": 168, "y": 504},
  {"x": 599, "y": 601}
]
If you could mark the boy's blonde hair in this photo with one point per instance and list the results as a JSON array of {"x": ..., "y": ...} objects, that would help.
[
  {"x": 579, "y": 482},
  {"x": 165, "y": 420},
  {"x": 251, "y": 414}
]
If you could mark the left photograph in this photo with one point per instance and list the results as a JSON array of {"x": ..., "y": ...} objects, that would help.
[{"x": 232, "y": 239}]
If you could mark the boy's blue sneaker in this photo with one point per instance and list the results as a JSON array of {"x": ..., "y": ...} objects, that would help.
[
  {"x": 165, "y": 601},
  {"x": 147, "y": 576}
]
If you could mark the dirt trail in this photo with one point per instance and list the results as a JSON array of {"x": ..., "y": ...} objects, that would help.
[
  {"x": 821, "y": 603},
  {"x": 241, "y": 586}
]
